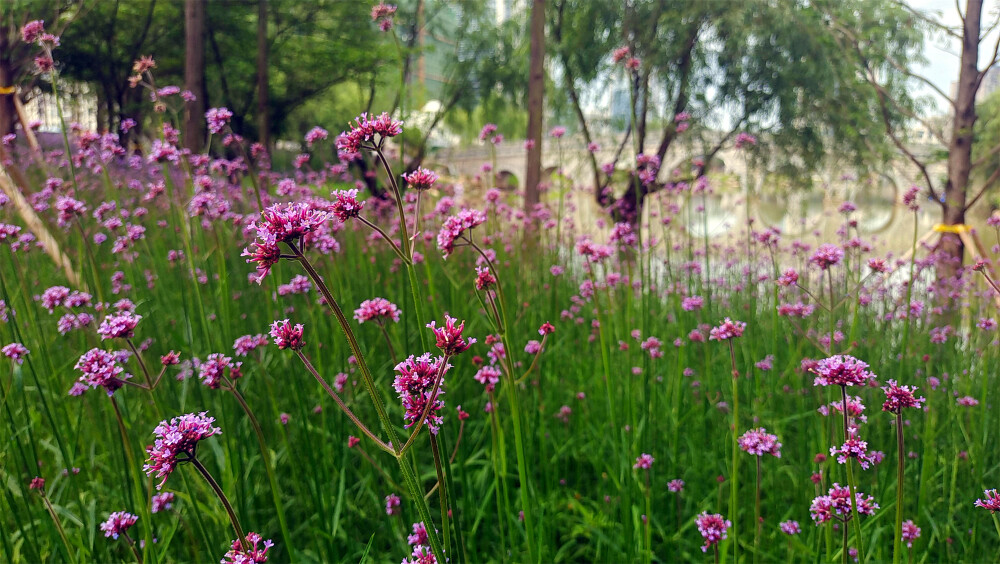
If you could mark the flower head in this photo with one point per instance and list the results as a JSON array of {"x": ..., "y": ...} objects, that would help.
[
  {"x": 266, "y": 254},
  {"x": 484, "y": 278},
  {"x": 790, "y": 527},
  {"x": 837, "y": 505},
  {"x": 675, "y": 485},
  {"x": 213, "y": 370},
  {"x": 118, "y": 523},
  {"x": 31, "y": 31},
  {"x": 217, "y": 119},
  {"x": 286, "y": 223},
  {"x": 346, "y": 204},
  {"x": 16, "y": 352},
  {"x": 898, "y": 397},
  {"x": 644, "y": 461},
  {"x": 100, "y": 369},
  {"x": 162, "y": 501},
  {"x": 243, "y": 345},
  {"x": 455, "y": 226},
  {"x": 854, "y": 447},
  {"x": 728, "y": 329},
  {"x": 392, "y": 504},
  {"x": 414, "y": 382},
  {"x": 911, "y": 532},
  {"x": 377, "y": 310},
  {"x": 178, "y": 436},
  {"x": 287, "y": 336},
  {"x": 251, "y": 552},
  {"x": 759, "y": 442},
  {"x": 841, "y": 370},
  {"x": 827, "y": 255},
  {"x": 365, "y": 129},
  {"x": 119, "y": 325},
  {"x": 449, "y": 338},
  {"x": 421, "y": 179},
  {"x": 992, "y": 501},
  {"x": 712, "y": 528}
]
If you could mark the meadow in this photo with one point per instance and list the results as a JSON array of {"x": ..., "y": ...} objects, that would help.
[{"x": 592, "y": 393}]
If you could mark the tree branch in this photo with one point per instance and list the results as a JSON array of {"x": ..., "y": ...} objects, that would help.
[{"x": 982, "y": 190}]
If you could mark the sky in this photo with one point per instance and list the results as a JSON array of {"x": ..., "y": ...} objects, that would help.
[{"x": 942, "y": 52}]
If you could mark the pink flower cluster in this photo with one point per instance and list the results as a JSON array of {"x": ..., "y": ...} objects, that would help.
[
  {"x": 180, "y": 435},
  {"x": 449, "y": 338},
  {"x": 414, "y": 383},
  {"x": 287, "y": 336},
  {"x": 421, "y": 179},
  {"x": 644, "y": 461},
  {"x": 712, "y": 528},
  {"x": 759, "y": 442},
  {"x": 837, "y": 505},
  {"x": 854, "y": 448},
  {"x": 366, "y": 129},
  {"x": 899, "y": 397},
  {"x": 455, "y": 226},
  {"x": 992, "y": 501},
  {"x": 377, "y": 310},
  {"x": 728, "y": 329},
  {"x": 16, "y": 352},
  {"x": 243, "y": 345},
  {"x": 252, "y": 551},
  {"x": 100, "y": 369},
  {"x": 119, "y": 325},
  {"x": 213, "y": 370},
  {"x": 118, "y": 523},
  {"x": 841, "y": 370}
]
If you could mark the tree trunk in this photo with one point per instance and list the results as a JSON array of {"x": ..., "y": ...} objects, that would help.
[
  {"x": 536, "y": 106},
  {"x": 263, "y": 127},
  {"x": 194, "y": 74},
  {"x": 960, "y": 148},
  {"x": 8, "y": 113}
]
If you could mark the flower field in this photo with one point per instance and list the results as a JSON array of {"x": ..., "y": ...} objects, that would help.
[{"x": 205, "y": 358}]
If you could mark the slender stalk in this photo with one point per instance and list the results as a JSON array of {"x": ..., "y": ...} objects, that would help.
[
  {"x": 343, "y": 406},
  {"x": 388, "y": 239},
  {"x": 442, "y": 494},
  {"x": 756, "y": 514},
  {"x": 843, "y": 553},
  {"x": 408, "y": 475},
  {"x": 265, "y": 454},
  {"x": 853, "y": 488},
  {"x": 734, "y": 479},
  {"x": 131, "y": 544},
  {"x": 898, "y": 539},
  {"x": 428, "y": 407},
  {"x": 222, "y": 497},
  {"x": 142, "y": 365},
  {"x": 59, "y": 527},
  {"x": 388, "y": 344}
]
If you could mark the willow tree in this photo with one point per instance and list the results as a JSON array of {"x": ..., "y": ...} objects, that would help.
[{"x": 774, "y": 69}]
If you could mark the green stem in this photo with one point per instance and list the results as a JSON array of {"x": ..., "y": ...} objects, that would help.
[
  {"x": 265, "y": 454},
  {"x": 733, "y": 487},
  {"x": 222, "y": 497},
  {"x": 898, "y": 539},
  {"x": 853, "y": 488},
  {"x": 59, "y": 527},
  {"x": 442, "y": 494}
]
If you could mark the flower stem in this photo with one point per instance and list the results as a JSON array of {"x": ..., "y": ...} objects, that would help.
[
  {"x": 265, "y": 454},
  {"x": 442, "y": 494},
  {"x": 59, "y": 527},
  {"x": 135, "y": 551},
  {"x": 222, "y": 497},
  {"x": 734, "y": 479},
  {"x": 853, "y": 488},
  {"x": 898, "y": 539}
]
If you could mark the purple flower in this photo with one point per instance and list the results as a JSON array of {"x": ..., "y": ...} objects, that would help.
[
  {"x": 449, "y": 338},
  {"x": 180, "y": 435},
  {"x": 419, "y": 536},
  {"x": 455, "y": 226},
  {"x": 644, "y": 461},
  {"x": 827, "y": 255},
  {"x": 728, "y": 329},
  {"x": 243, "y": 345},
  {"x": 414, "y": 383},
  {"x": 692, "y": 303},
  {"x": 316, "y": 134},
  {"x": 676, "y": 485},
  {"x": 100, "y": 369},
  {"x": 217, "y": 119},
  {"x": 119, "y": 325},
  {"x": 250, "y": 553},
  {"x": 377, "y": 310},
  {"x": 162, "y": 501},
  {"x": 841, "y": 370},
  {"x": 214, "y": 369},
  {"x": 287, "y": 336},
  {"x": 392, "y": 504},
  {"x": 118, "y": 523},
  {"x": 837, "y": 505},
  {"x": 712, "y": 528},
  {"x": 346, "y": 204},
  {"x": 759, "y": 442},
  {"x": 285, "y": 224},
  {"x": 854, "y": 448},
  {"x": 911, "y": 532},
  {"x": 790, "y": 527},
  {"x": 365, "y": 130},
  {"x": 488, "y": 376},
  {"x": 421, "y": 179},
  {"x": 898, "y": 397},
  {"x": 31, "y": 31},
  {"x": 16, "y": 352},
  {"x": 992, "y": 502}
]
